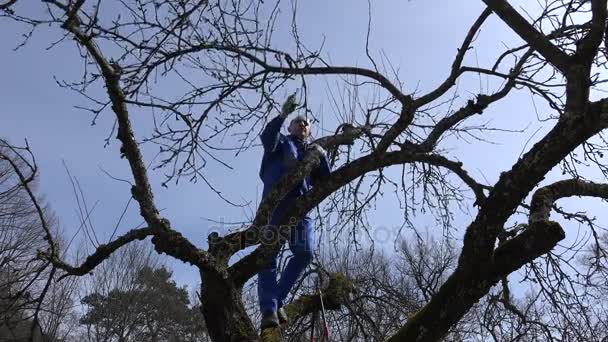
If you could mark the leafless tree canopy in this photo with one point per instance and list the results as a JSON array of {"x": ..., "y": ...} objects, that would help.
[
  {"x": 32, "y": 305},
  {"x": 233, "y": 74}
]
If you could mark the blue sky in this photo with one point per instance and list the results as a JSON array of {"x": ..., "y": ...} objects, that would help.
[{"x": 419, "y": 37}]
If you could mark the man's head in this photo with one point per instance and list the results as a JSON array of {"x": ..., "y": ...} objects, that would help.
[{"x": 299, "y": 127}]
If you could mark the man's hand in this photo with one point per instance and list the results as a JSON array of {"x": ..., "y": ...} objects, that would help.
[
  {"x": 317, "y": 148},
  {"x": 289, "y": 106}
]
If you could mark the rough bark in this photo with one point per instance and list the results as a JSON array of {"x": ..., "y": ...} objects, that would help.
[
  {"x": 223, "y": 309},
  {"x": 335, "y": 295}
]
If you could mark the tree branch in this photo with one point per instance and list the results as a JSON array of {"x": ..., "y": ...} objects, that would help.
[
  {"x": 347, "y": 136},
  {"x": 405, "y": 119},
  {"x": 528, "y": 33},
  {"x": 473, "y": 107},
  {"x": 165, "y": 239},
  {"x": 542, "y": 235},
  {"x": 101, "y": 253},
  {"x": 455, "y": 70},
  {"x": 225, "y": 247},
  {"x": 25, "y": 183},
  {"x": 409, "y": 108},
  {"x": 478, "y": 267},
  {"x": 539, "y": 238},
  {"x": 335, "y": 295},
  {"x": 587, "y": 48},
  {"x": 6, "y": 6},
  {"x": 249, "y": 265},
  {"x": 543, "y": 198},
  {"x": 293, "y": 70}
]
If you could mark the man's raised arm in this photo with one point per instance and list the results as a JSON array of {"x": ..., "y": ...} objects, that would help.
[{"x": 272, "y": 132}]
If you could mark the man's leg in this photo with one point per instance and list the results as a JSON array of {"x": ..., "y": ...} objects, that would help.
[
  {"x": 301, "y": 243},
  {"x": 268, "y": 290},
  {"x": 268, "y": 295}
]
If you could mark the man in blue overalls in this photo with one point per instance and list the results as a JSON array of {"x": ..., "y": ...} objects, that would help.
[{"x": 281, "y": 153}]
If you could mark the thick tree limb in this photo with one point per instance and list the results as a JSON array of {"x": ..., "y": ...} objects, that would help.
[
  {"x": 142, "y": 191},
  {"x": 165, "y": 239},
  {"x": 528, "y": 33},
  {"x": 543, "y": 198},
  {"x": 588, "y": 46},
  {"x": 102, "y": 253},
  {"x": 542, "y": 235},
  {"x": 539, "y": 238},
  {"x": 249, "y": 265},
  {"x": 6, "y": 6},
  {"x": 224, "y": 247},
  {"x": 514, "y": 185},
  {"x": 347, "y": 136},
  {"x": 475, "y": 273},
  {"x": 335, "y": 295}
]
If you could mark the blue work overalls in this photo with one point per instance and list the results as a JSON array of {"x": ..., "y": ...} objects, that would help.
[{"x": 281, "y": 152}]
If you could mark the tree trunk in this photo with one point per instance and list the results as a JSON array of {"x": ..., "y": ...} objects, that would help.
[{"x": 224, "y": 313}]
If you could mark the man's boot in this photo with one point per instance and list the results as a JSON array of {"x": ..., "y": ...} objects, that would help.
[{"x": 269, "y": 320}]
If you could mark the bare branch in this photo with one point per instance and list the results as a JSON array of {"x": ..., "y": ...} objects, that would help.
[
  {"x": 528, "y": 33},
  {"x": 544, "y": 198},
  {"x": 588, "y": 46},
  {"x": 456, "y": 64},
  {"x": 335, "y": 295},
  {"x": 537, "y": 239},
  {"x": 25, "y": 181},
  {"x": 234, "y": 242},
  {"x": 6, "y": 6},
  {"x": 165, "y": 239},
  {"x": 101, "y": 253},
  {"x": 249, "y": 265}
]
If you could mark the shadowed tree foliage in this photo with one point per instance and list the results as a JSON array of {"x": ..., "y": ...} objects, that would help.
[{"x": 154, "y": 309}]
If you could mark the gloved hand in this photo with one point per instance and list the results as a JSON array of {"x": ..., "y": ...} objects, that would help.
[
  {"x": 316, "y": 147},
  {"x": 289, "y": 106}
]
